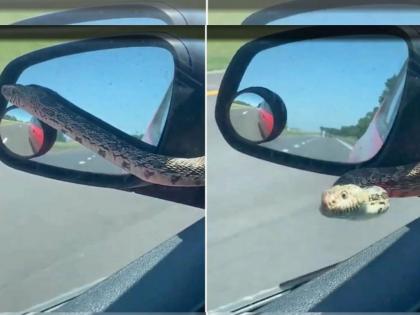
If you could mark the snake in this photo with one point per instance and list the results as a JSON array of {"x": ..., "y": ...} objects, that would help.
[
  {"x": 59, "y": 113},
  {"x": 365, "y": 193}
]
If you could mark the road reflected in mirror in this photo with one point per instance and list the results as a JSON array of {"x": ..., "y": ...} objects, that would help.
[
  {"x": 125, "y": 87},
  {"x": 342, "y": 94},
  {"x": 21, "y": 133},
  {"x": 70, "y": 154},
  {"x": 128, "y": 87},
  {"x": 251, "y": 117}
]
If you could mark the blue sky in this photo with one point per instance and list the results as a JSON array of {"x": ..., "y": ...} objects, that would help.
[
  {"x": 366, "y": 15},
  {"x": 327, "y": 82},
  {"x": 123, "y": 86}
]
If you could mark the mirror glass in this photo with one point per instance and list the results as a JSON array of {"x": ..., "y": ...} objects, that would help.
[
  {"x": 251, "y": 117},
  {"x": 67, "y": 153},
  {"x": 21, "y": 133},
  {"x": 130, "y": 88},
  {"x": 362, "y": 15},
  {"x": 126, "y": 87},
  {"x": 341, "y": 93}
]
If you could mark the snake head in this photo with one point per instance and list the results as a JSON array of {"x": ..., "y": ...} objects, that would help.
[
  {"x": 354, "y": 202},
  {"x": 10, "y": 92},
  {"x": 22, "y": 95}
]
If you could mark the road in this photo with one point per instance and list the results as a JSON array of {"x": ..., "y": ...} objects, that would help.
[
  {"x": 317, "y": 147},
  {"x": 263, "y": 222},
  {"x": 70, "y": 155},
  {"x": 56, "y": 237}
]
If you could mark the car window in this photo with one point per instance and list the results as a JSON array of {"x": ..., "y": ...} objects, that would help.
[
  {"x": 57, "y": 238},
  {"x": 388, "y": 110},
  {"x": 264, "y": 226}
]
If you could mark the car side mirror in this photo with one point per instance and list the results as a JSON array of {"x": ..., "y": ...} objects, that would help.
[
  {"x": 346, "y": 91},
  {"x": 133, "y": 85}
]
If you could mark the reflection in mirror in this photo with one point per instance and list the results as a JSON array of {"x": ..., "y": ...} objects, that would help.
[
  {"x": 24, "y": 136},
  {"x": 251, "y": 117},
  {"x": 362, "y": 15},
  {"x": 124, "y": 87},
  {"x": 130, "y": 88},
  {"x": 21, "y": 133},
  {"x": 125, "y": 21},
  {"x": 67, "y": 153},
  {"x": 341, "y": 94}
]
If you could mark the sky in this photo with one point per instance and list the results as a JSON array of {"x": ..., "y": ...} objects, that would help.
[
  {"x": 327, "y": 82},
  {"x": 367, "y": 15},
  {"x": 122, "y": 86}
]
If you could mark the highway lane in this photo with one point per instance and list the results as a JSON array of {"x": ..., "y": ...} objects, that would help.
[
  {"x": 80, "y": 158},
  {"x": 245, "y": 120},
  {"x": 263, "y": 222},
  {"x": 57, "y": 236},
  {"x": 70, "y": 155},
  {"x": 317, "y": 147}
]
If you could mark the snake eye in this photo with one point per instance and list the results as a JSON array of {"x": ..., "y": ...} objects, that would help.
[{"x": 344, "y": 195}]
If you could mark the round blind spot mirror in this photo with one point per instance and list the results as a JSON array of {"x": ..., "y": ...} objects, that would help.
[{"x": 21, "y": 133}]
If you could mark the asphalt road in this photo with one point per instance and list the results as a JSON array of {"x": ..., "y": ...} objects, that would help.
[
  {"x": 71, "y": 155},
  {"x": 245, "y": 121},
  {"x": 56, "y": 237},
  {"x": 317, "y": 147},
  {"x": 80, "y": 158},
  {"x": 263, "y": 222}
]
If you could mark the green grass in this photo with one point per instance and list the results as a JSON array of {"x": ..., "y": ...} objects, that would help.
[
  {"x": 237, "y": 106},
  {"x": 13, "y": 48},
  {"x": 220, "y": 53},
  {"x": 6, "y": 122},
  {"x": 228, "y": 17},
  {"x": 218, "y": 14},
  {"x": 300, "y": 133},
  {"x": 60, "y": 146},
  {"x": 11, "y": 16}
]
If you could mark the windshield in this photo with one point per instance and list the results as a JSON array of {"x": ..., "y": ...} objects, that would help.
[
  {"x": 264, "y": 224},
  {"x": 58, "y": 237}
]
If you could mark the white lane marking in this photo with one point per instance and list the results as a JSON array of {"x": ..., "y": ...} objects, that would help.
[
  {"x": 245, "y": 112},
  {"x": 296, "y": 146},
  {"x": 285, "y": 150},
  {"x": 303, "y": 143},
  {"x": 348, "y": 146},
  {"x": 4, "y": 140},
  {"x": 89, "y": 158},
  {"x": 82, "y": 162}
]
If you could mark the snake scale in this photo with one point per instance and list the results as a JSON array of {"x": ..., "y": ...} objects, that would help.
[
  {"x": 54, "y": 110},
  {"x": 364, "y": 193}
]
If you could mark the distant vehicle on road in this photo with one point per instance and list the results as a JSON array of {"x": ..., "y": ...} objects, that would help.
[{"x": 266, "y": 120}]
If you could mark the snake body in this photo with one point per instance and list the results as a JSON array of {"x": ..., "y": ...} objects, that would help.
[
  {"x": 364, "y": 193},
  {"x": 54, "y": 110}
]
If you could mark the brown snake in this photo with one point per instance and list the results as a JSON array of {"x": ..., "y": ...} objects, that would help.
[
  {"x": 59, "y": 113},
  {"x": 365, "y": 193}
]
